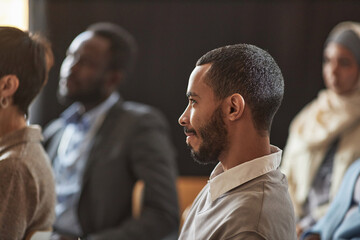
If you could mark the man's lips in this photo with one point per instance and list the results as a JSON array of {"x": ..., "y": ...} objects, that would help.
[{"x": 189, "y": 132}]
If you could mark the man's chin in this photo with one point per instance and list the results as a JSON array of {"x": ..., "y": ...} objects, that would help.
[{"x": 199, "y": 158}]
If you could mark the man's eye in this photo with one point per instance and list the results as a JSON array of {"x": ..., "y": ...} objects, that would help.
[{"x": 192, "y": 101}]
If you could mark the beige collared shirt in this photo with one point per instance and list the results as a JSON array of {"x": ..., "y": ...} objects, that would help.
[{"x": 249, "y": 201}]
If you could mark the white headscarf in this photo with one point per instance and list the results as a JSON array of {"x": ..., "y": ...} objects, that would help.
[
  {"x": 330, "y": 114},
  {"x": 326, "y": 118}
]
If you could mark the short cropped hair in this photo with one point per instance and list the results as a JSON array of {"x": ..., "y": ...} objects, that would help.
[
  {"x": 29, "y": 57},
  {"x": 123, "y": 47},
  {"x": 251, "y": 72}
]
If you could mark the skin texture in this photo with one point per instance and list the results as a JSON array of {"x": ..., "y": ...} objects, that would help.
[
  {"x": 340, "y": 69},
  {"x": 11, "y": 119},
  {"x": 219, "y": 130},
  {"x": 84, "y": 74},
  {"x": 202, "y": 120}
]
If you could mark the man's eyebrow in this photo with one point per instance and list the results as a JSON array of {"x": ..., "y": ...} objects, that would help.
[{"x": 191, "y": 94}]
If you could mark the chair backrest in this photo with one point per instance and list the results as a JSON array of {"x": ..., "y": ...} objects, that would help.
[
  {"x": 188, "y": 188},
  {"x": 137, "y": 197}
]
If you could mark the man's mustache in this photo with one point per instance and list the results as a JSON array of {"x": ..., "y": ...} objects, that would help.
[{"x": 186, "y": 130}]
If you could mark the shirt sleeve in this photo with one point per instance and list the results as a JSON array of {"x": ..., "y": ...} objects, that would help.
[{"x": 17, "y": 199}]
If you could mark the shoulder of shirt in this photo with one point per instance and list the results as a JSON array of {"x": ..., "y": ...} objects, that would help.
[
  {"x": 139, "y": 109},
  {"x": 20, "y": 157},
  {"x": 138, "y": 113}
]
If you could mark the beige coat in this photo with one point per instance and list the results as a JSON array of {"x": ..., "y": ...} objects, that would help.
[
  {"x": 311, "y": 133},
  {"x": 314, "y": 129}
]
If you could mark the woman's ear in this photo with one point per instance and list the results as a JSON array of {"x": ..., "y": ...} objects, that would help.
[
  {"x": 235, "y": 106},
  {"x": 8, "y": 85}
]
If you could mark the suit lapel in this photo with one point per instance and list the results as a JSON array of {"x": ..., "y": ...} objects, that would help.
[{"x": 97, "y": 150}]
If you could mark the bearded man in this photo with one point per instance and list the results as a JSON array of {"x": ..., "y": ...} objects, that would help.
[{"x": 234, "y": 93}]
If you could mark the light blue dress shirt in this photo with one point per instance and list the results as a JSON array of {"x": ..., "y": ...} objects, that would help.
[{"x": 70, "y": 162}]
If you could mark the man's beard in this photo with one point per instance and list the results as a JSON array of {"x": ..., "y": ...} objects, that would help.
[
  {"x": 214, "y": 137},
  {"x": 91, "y": 96}
]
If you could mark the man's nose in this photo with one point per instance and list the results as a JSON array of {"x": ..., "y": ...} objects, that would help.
[{"x": 183, "y": 119}]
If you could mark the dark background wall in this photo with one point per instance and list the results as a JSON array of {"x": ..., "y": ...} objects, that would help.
[{"x": 172, "y": 35}]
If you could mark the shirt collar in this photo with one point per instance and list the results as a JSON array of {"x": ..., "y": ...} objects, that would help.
[
  {"x": 223, "y": 181},
  {"x": 76, "y": 112}
]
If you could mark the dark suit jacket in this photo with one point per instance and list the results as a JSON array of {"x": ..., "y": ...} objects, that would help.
[{"x": 133, "y": 143}]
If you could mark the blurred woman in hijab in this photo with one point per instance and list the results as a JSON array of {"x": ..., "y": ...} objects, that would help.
[{"x": 324, "y": 137}]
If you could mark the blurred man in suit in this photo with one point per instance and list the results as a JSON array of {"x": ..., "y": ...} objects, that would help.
[{"x": 101, "y": 145}]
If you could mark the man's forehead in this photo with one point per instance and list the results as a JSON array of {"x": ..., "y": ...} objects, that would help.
[
  {"x": 89, "y": 43},
  {"x": 201, "y": 70},
  {"x": 84, "y": 36},
  {"x": 198, "y": 76},
  {"x": 197, "y": 85}
]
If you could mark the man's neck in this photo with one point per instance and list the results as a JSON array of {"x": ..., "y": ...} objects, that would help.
[
  {"x": 88, "y": 106},
  {"x": 245, "y": 150}
]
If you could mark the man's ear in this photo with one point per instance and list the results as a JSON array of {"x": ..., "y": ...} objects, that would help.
[
  {"x": 235, "y": 106},
  {"x": 8, "y": 85}
]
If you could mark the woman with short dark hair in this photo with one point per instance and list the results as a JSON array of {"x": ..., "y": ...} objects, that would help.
[{"x": 27, "y": 195}]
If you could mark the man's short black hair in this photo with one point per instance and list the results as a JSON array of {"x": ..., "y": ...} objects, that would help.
[
  {"x": 251, "y": 72},
  {"x": 123, "y": 47},
  {"x": 27, "y": 56}
]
